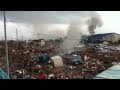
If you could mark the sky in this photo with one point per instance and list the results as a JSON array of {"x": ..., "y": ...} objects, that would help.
[
  {"x": 111, "y": 21},
  {"x": 30, "y": 23}
]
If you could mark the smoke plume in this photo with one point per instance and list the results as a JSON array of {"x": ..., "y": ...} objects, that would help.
[
  {"x": 79, "y": 28},
  {"x": 72, "y": 39},
  {"x": 93, "y": 23}
]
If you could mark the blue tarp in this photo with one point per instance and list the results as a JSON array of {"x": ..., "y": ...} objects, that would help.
[
  {"x": 3, "y": 75},
  {"x": 111, "y": 73},
  {"x": 43, "y": 58}
]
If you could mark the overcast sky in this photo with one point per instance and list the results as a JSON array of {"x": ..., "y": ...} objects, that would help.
[
  {"x": 111, "y": 21},
  {"x": 54, "y": 22}
]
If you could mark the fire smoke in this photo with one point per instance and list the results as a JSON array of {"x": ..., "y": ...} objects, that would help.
[{"x": 77, "y": 30}]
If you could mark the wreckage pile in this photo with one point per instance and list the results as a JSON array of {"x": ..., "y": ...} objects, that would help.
[{"x": 31, "y": 60}]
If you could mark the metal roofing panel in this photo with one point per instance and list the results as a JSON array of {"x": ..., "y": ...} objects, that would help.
[{"x": 111, "y": 73}]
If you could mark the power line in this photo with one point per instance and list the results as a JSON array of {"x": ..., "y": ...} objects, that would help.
[{"x": 22, "y": 37}]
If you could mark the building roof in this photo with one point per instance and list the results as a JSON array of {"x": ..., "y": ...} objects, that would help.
[{"x": 100, "y": 35}]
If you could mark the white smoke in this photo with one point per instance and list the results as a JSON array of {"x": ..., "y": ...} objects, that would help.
[
  {"x": 78, "y": 28},
  {"x": 75, "y": 32}
]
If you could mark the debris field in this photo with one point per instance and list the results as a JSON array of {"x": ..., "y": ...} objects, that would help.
[{"x": 24, "y": 61}]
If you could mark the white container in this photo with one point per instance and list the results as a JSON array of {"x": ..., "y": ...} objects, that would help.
[{"x": 57, "y": 61}]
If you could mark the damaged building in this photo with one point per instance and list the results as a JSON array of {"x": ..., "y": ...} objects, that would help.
[{"x": 101, "y": 38}]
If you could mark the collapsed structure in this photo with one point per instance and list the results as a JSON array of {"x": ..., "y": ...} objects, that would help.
[{"x": 100, "y": 38}]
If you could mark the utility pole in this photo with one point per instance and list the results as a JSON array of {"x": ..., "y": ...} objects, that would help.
[
  {"x": 17, "y": 37},
  {"x": 2, "y": 38},
  {"x": 6, "y": 46},
  {"x": 38, "y": 36},
  {"x": 22, "y": 37}
]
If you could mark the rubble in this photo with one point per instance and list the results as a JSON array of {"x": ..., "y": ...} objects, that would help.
[
  {"x": 51, "y": 76},
  {"x": 91, "y": 61}
]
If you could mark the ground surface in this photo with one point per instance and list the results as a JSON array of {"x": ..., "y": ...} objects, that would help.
[{"x": 24, "y": 57}]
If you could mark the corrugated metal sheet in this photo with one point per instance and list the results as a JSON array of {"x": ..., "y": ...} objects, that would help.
[
  {"x": 111, "y": 73},
  {"x": 3, "y": 75}
]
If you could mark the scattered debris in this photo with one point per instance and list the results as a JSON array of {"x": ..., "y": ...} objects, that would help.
[
  {"x": 51, "y": 76},
  {"x": 35, "y": 61}
]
